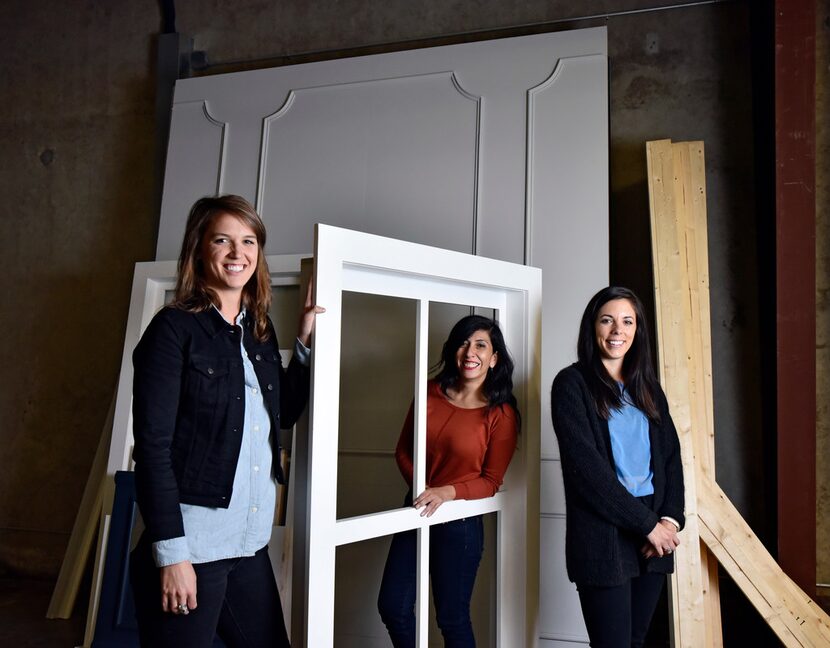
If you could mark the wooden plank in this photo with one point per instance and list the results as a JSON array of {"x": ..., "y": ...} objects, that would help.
[
  {"x": 791, "y": 613},
  {"x": 700, "y": 288},
  {"x": 700, "y": 298},
  {"x": 690, "y": 209},
  {"x": 686, "y": 586},
  {"x": 83, "y": 531},
  {"x": 690, "y": 285}
]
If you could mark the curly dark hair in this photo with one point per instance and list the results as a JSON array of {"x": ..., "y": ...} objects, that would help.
[{"x": 498, "y": 385}]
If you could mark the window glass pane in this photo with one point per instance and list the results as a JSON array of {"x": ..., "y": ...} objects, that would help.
[
  {"x": 377, "y": 378},
  {"x": 358, "y": 573}
]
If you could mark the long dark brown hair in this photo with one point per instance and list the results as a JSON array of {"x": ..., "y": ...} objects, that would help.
[
  {"x": 637, "y": 370},
  {"x": 192, "y": 292}
]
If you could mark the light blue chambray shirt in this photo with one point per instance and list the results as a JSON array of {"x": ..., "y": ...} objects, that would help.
[
  {"x": 631, "y": 447},
  {"x": 245, "y": 526}
]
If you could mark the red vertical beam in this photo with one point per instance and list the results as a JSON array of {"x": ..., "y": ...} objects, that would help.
[{"x": 795, "y": 222}]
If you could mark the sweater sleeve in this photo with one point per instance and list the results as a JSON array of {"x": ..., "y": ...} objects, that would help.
[
  {"x": 500, "y": 449},
  {"x": 588, "y": 473},
  {"x": 404, "y": 450},
  {"x": 674, "y": 500}
]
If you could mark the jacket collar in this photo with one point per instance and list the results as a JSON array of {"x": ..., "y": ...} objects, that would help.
[{"x": 213, "y": 322}]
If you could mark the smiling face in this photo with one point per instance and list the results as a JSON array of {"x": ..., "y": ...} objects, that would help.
[
  {"x": 615, "y": 327},
  {"x": 229, "y": 253},
  {"x": 475, "y": 356}
]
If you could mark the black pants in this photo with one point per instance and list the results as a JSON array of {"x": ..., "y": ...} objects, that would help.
[
  {"x": 237, "y": 600},
  {"x": 618, "y": 617}
]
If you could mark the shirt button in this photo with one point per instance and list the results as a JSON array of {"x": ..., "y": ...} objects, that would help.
[
  {"x": 258, "y": 357},
  {"x": 256, "y": 468},
  {"x": 253, "y": 509},
  {"x": 256, "y": 428},
  {"x": 270, "y": 387},
  {"x": 253, "y": 390}
]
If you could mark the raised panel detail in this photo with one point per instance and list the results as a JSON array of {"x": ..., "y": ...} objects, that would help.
[
  {"x": 553, "y": 490},
  {"x": 559, "y": 612},
  {"x": 395, "y": 157},
  {"x": 567, "y": 143},
  {"x": 194, "y": 164}
]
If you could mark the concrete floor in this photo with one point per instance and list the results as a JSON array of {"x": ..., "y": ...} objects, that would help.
[{"x": 23, "y": 622}]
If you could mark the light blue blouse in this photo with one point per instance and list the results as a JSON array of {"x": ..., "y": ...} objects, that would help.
[{"x": 631, "y": 447}]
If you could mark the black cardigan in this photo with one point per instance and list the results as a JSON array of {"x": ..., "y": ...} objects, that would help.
[{"x": 606, "y": 525}]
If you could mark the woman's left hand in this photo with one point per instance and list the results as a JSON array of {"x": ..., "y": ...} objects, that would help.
[
  {"x": 662, "y": 540},
  {"x": 307, "y": 317},
  {"x": 432, "y": 498}
]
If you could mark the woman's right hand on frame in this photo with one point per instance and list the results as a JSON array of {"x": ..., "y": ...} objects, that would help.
[
  {"x": 178, "y": 588},
  {"x": 662, "y": 540},
  {"x": 432, "y": 498}
]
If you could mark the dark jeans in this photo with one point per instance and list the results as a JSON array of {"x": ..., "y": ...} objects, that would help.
[
  {"x": 618, "y": 617},
  {"x": 454, "y": 555},
  {"x": 237, "y": 600}
]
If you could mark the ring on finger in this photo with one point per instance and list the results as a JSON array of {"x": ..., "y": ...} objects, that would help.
[{"x": 182, "y": 608}]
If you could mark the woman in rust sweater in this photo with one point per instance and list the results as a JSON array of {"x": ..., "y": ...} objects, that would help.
[{"x": 472, "y": 426}]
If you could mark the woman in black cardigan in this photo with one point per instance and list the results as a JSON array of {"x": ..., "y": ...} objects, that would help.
[{"x": 622, "y": 471}]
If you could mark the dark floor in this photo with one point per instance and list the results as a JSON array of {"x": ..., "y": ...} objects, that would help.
[{"x": 23, "y": 622}]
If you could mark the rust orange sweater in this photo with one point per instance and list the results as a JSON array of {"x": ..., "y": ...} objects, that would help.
[{"x": 469, "y": 449}]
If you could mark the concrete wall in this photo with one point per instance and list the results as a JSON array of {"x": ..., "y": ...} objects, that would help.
[{"x": 77, "y": 136}]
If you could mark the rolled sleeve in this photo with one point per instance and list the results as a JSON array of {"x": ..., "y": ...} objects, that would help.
[
  {"x": 171, "y": 551},
  {"x": 302, "y": 353}
]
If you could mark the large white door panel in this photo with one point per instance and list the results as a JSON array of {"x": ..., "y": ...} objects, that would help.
[{"x": 391, "y": 134}]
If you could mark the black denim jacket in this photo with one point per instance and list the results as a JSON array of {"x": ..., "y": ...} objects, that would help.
[{"x": 189, "y": 411}]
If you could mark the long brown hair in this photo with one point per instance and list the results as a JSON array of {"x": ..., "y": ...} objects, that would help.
[{"x": 192, "y": 292}]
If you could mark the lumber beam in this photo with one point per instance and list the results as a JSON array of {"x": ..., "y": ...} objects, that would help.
[
  {"x": 794, "y": 617},
  {"x": 677, "y": 196}
]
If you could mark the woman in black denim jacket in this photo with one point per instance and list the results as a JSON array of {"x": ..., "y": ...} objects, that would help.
[{"x": 209, "y": 397}]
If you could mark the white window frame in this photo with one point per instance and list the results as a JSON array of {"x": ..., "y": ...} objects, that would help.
[{"x": 346, "y": 260}]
